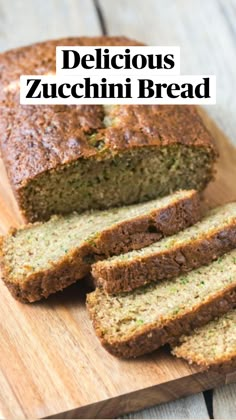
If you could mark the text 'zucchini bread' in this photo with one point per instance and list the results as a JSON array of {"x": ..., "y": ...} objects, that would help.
[
  {"x": 42, "y": 258},
  {"x": 61, "y": 159},
  {"x": 212, "y": 346},
  {"x": 198, "y": 245},
  {"x": 138, "y": 322}
]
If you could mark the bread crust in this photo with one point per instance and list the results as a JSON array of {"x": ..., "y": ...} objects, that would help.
[
  {"x": 42, "y": 139},
  {"x": 128, "y": 275},
  {"x": 121, "y": 237},
  {"x": 147, "y": 229},
  {"x": 150, "y": 338},
  {"x": 225, "y": 365},
  {"x": 197, "y": 348}
]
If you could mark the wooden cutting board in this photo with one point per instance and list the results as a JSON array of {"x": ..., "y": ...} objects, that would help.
[{"x": 53, "y": 365}]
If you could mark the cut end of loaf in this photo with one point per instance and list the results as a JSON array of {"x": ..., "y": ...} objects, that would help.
[
  {"x": 123, "y": 179},
  {"x": 94, "y": 156}
]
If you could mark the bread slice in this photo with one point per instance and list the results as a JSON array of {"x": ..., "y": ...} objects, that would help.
[
  {"x": 132, "y": 324},
  {"x": 40, "y": 259},
  {"x": 198, "y": 245},
  {"x": 211, "y": 346}
]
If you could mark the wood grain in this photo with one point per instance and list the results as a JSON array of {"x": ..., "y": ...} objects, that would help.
[
  {"x": 224, "y": 402},
  {"x": 24, "y": 22},
  {"x": 65, "y": 369},
  {"x": 192, "y": 407}
]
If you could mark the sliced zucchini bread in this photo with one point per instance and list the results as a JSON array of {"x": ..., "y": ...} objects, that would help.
[
  {"x": 198, "y": 245},
  {"x": 213, "y": 345},
  {"x": 132, "y": 324},
  {"x": 43, "y": 258}
]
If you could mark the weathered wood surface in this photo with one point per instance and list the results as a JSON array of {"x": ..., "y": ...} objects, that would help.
[
  {"x": 52, "y": 343},
  {"x": 24, "y": 22},
  {"x": 192, "y": 407},
  {"x": 224, "y": 402}
]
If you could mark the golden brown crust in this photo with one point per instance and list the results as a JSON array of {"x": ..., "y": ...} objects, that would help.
[
  {"x": 211, "y": 346},
  {"x": 128, "y": 275},
  {"x": 226, "y": 364},
  {"x": 121, "y": 237},
  {"x": 147, "y": 229},
  {"x": 42, "y": 284},
  {"x": 40, "y": 58},
  {"x": 150, "y": 338},
  {"x": 60, "y": 133}
]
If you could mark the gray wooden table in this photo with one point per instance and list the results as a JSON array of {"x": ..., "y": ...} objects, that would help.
[{"x": 206, "y": 32}]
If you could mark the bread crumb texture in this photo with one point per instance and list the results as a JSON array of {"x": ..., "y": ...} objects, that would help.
[
  {"x": 42, "y": 258},
  {"x": 193, "y": 247},
  {"x": 213, "y": 345},
  {"x": 134, "y": 323}
]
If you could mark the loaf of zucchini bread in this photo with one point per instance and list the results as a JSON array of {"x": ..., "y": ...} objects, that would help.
[
  {"x": 212, "y": 346},
  {"x": 132, "y": 324},
  {"x": 198, "y": 245},
  {"x": 42, "y": 258},
  {"x": 61, "y": 159}
]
